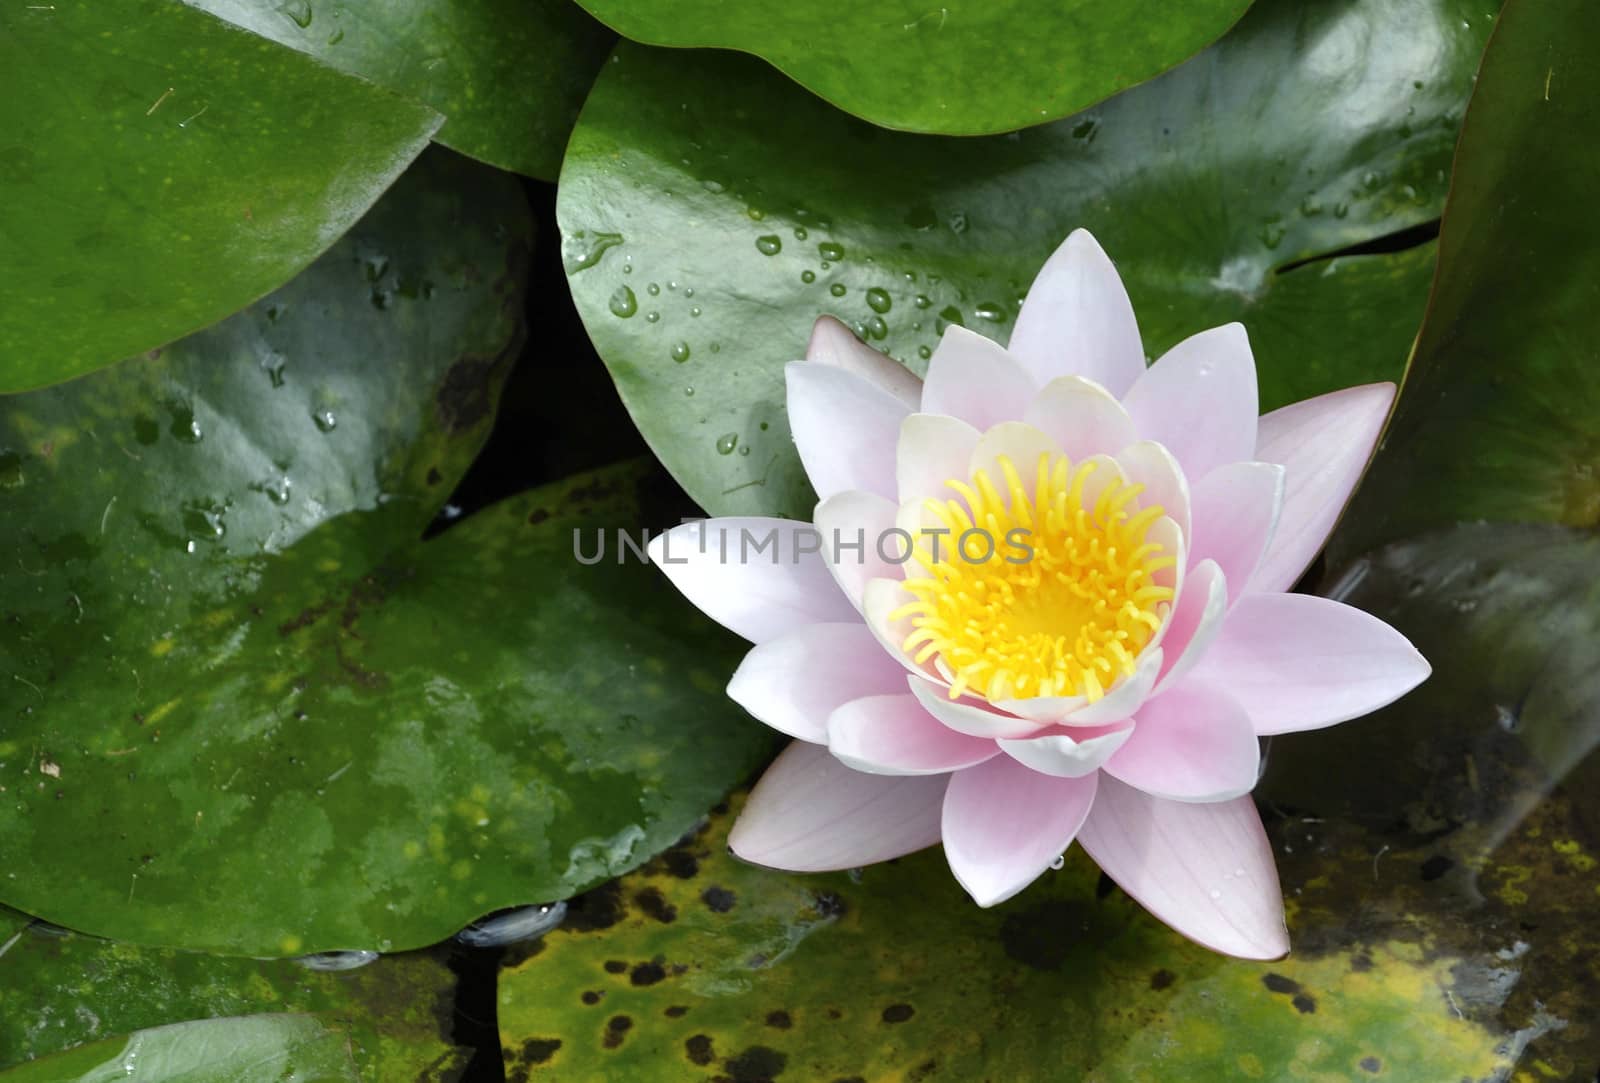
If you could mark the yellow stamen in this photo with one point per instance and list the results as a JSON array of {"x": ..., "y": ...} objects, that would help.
[{"x": 1068, "y": 619}]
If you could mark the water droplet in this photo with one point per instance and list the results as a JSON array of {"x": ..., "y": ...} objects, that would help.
[
  {"x": 338, "y": 36},
  {"x": 513, "y": 926},
  {"x": 1216, "y": 894},
  {"x": 1085, "y": 129},
  {"x": 921, "y": 300},
  {"x": 924, "y": 352},
  {"x": 714, "y": 187},
  {"x": 988, "y": 310},
  {"x": 653, "y": 289},
  {"x": 651, "y": 317},
  {"x": 876, "y": 328},
  {"x": 275, "y": 488},
  {"x": 837, "y": 289},
  {"x": 582, "y": 249},
  {"x": 830, "y": 251},
  {"x": 808, "y": 276},
  {"x": 744, "y": 450},
  {"x": 950, "y": 314},
  {"x": 1341, "y": 209},
  {"x": 879, "y": 300},
  {"x": 694, "y": 310},
  {"x": 297, "y": 12},
  {"x": 769, "y": 245},
  {"x": 755, "y": 213},
  {"x": 623, "y": 303},
  {"x": 1272, "y": 234},
  {"x": 800, "y": 233},
  {"x": 680, "y": 352},
  {"x": 689, "y": 391},
  {"x": 958, "y": 222},
  {"x": 325, "y": 420},
  {"x": 1311, "y": 206},
  {"x": 1238, "y": 872},
  {"x": 337, "y": 960},
  {"x": 688, "y": 291},
  {"x": 727, "y": 442},
  {"x": 1059, "y": 863},
  {"x": 1370, "y": 180}
]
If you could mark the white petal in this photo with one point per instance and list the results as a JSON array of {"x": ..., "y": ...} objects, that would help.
[
  {"x": 1124, "y": 697},
  {"x": 845, "y": 428},
  {"x": 1081, "y": 417},
  {"x": 965, "y": 716},
  {"x": 1069, "y": 753},
  {"x": 811, "y": 813},
  {"x": 932, "y": 449},
  {"x": 793, "y": 683},
  {"x": 757, "y": 577},
  {"x": 1200, "y": 400},
  {"x": 1078, "y": 321},
  {"x": 1235, "y": 513},
  {"x": 833, "y": 344},
  {"x": 1149, "y": 464},
  {"x": 856, "y": 537},
  {"x": 1195, "y": 622},
  {"x": 975, "y": 379}
]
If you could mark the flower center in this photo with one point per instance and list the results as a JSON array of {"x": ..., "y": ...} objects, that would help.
[{"x": 1048, "y": 593}]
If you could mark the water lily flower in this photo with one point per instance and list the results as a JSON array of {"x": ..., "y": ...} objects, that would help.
[{"x": 1042, "y": 600}]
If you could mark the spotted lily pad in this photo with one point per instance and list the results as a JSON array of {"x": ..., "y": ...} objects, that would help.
[
  {"x": 257, "y": 712},
  {"x": 711, "y": 212},
  {"x": 160, "y": 170},
  {"x": 698, "y": 966},
  {"x": 508, "y": 76},
  {"x": 966, "y": 67},
  {"x": 61, "y": 991}
]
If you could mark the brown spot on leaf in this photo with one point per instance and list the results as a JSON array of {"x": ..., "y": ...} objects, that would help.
[
  {"x": 653, "y": 903},
  {"x": 898, "y": 1013},
  {"x": 1304, "y": 1004},
  {"x": 779, "y": 1020},
  {"x": 1278, "y": 983},
  {"x": 647, "y": 973},
  {"x": 539, "y": 1050},
  {"x": 1371, "y": 1064},
  {"x": 617, "y": 1028},
  {"x": 1161, "y": 979},
  {"x": 592, "y": 996},
  {"x": 719, "y": 900},
  {"x": 698, "y": 1050},
  {"x": 758, "y": 1064}
]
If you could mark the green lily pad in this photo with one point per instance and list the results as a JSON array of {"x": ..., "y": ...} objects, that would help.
[
  {"x": 1498, "y": 419},
  {"x": 62, "y": 991},
  {"x": 252, "y": 1047},
  {"x": 710, "y": 214},
  {"x": 508, "y": 75},
  {"x": 967, "y": 67},
  {"x": 311, "y": 731},
  {"x": 161, "y": 170},
  {"x": 698, "y": 965}
]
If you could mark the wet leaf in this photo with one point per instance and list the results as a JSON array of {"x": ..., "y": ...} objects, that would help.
[
  {"x": 969, "y": 67},
  {"x": 239, "y": 1050},
  {"x": 160, "y": 170},
  {"x": 509, "y": 76},
  {"x": 710, "y": 214},
  {"x": 62, "y": 991},
  {"x": 307, "y": 730},
  {"x": 699, "y": 966}
]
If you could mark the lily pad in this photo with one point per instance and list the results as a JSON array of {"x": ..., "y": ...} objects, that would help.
[
  {"x": 309, "y": 730},
  {"x": 967, "y": 67},
  {"x": 63, "y": 990},
  {"x": 509, "y": 75},
  {"x": 298, "y": 1047},
  {"x": 161, "y": 170},
  {"x": 710, "y": 214},
  {"x": 698, "y": 965}
]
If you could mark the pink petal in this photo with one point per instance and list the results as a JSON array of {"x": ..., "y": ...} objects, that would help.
[
  {"x": 833, "y": 344},
  {"x": 975, "y": 379},
  {"x": 1195, "y": 621},
  {"x": 1081, "y": 417},
  {"x": 751, "y": 575},
  {"x": 1004, "y": 824},
  {"x": 1069, "y": 752},
  {"x": 856, "y": 539},
  {"x": 1205, "y": 870},
  {"x": 932, "y": 449},
  {"x": 1324, "y": 444},
  {"x": 893, "y": 735},
  {"x": 1078, "y": 321},
  {"x": 1298, "y": 662},
  {"x": 844, "y": 428},
  {"x": 1149, "y": 464},
  {"x": 1042, "y": 709},
  {"x": 793, "y": 683},
  {"x": 965, "y": 715},
  {"x": 1200, "y": 400},
  {"x": 1235, "y": 512},
  {"x": 811, "y": 813},
  {"x": 1194, "y": 743}
]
